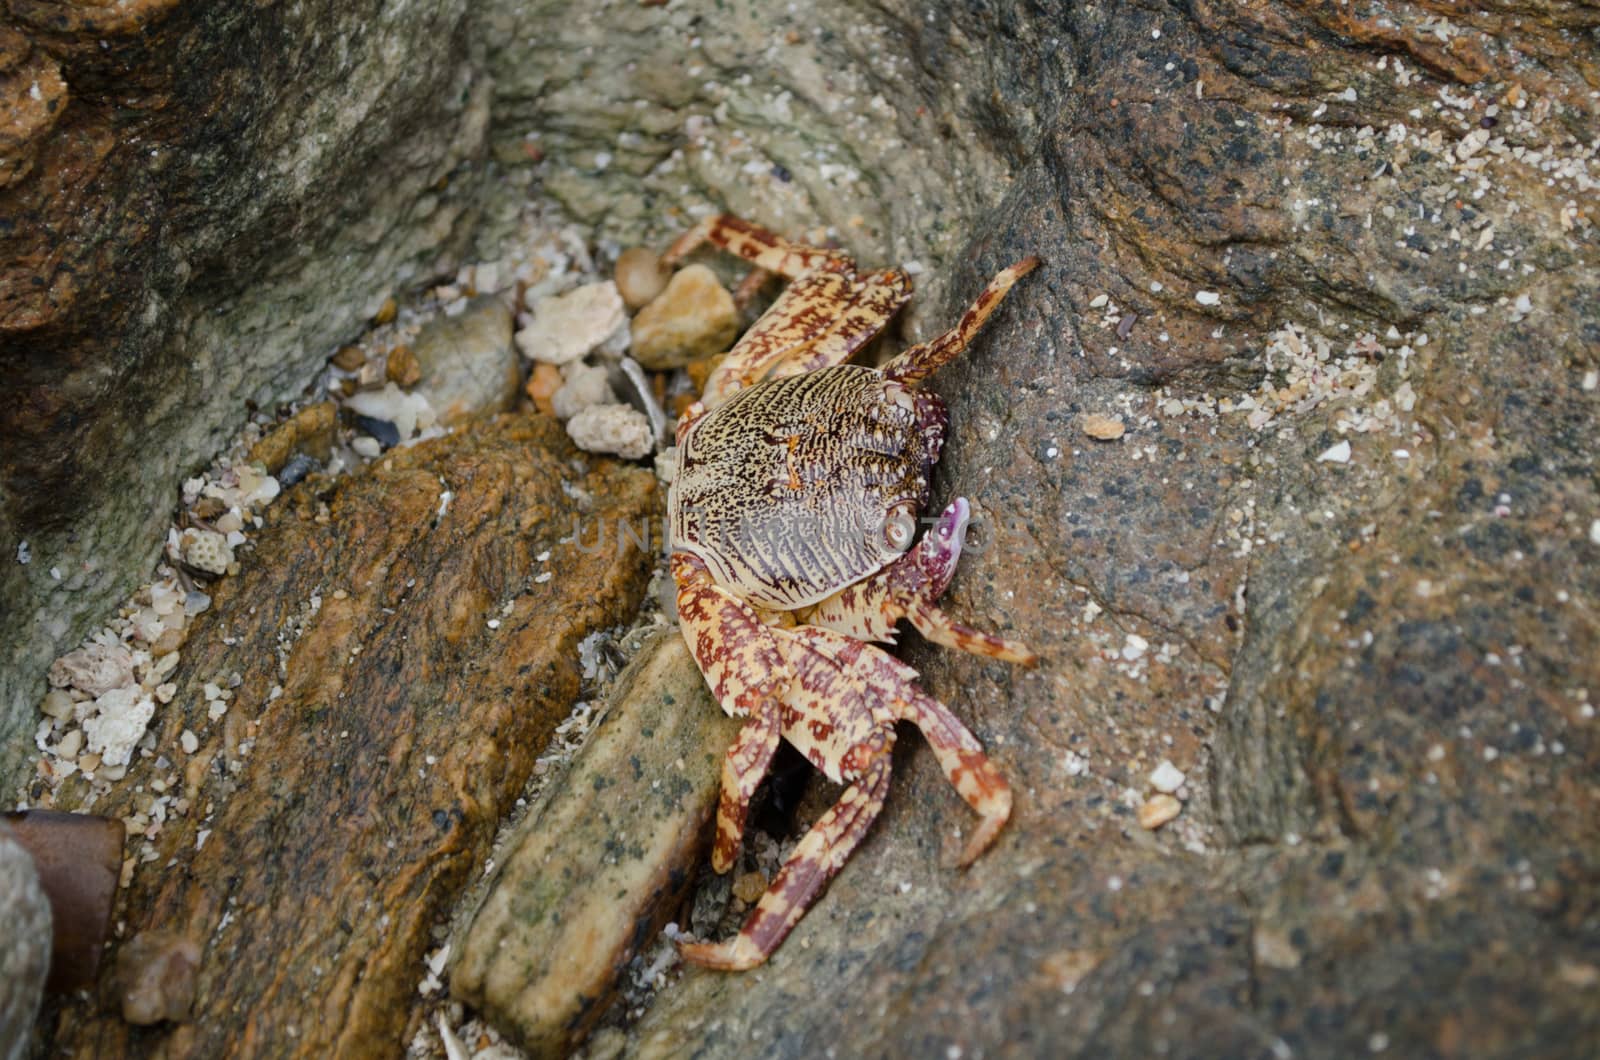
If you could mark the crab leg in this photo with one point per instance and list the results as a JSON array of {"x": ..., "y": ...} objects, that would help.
[
  {"x": 815, "y": 860},
  {"x": 742, "y": 770},
  {"x": 909, "y": 588},
  {"x": 766, "y": 250},
  {"x": 734, "y": 649},
  {"x": 821, "y": 319},
  {"x": 970, "y": 772},
  {"x": 922, "y": 360}
]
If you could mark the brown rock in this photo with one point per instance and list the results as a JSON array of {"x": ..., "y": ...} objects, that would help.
[
  {"x": 78, "y": 857},
  {"x": 156, "y": 974},
  {"x": 602, "y": 862},
  {"x": 349, "y": 358},
  {"x": 402, "y": 368},
  {"x": 543, "y": 382},
  {"x": 693, "y": 317},
  {"x": 309, "y": 431},
  {"x": 423, "y": 667},
  {"x": 640, "y": 276}
]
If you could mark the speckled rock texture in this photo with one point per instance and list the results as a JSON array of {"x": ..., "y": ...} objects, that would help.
[
  {"x": 602, "y": 861},
  {"x": 1334, "y": 267},
  {"x": 197, "y": 202},
  {"x": 24, "y": 946},
  {"x": 1376, "y": 673},
  {"x": 401, "y": 658}
]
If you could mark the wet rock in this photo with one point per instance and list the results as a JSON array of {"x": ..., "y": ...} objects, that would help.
[
  {"x": 619, "y": 429},
  {"x": 567, "y": 326},
  {"x": 467, "y": 361},
  {"x": 308, "y": 432},
  {"x": 603, "y": 861},
  {"x": 401, "y": 661},
  {"x": 693, "y": 317},
  {"x": 24, "y": 947}
]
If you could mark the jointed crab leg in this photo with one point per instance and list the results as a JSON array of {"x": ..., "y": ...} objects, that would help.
[
  {"x": 819, "y": 320},
  {"x": 734, "y": 649},
  {"x": 909, "y": 588},
  {"x": 766, "y": 250},
  {"x": 742, "y": 770},
  {"x": 922, "y": 360},
  {"x": 970, "y": 772},
  {"x": 816, "y": 858}
]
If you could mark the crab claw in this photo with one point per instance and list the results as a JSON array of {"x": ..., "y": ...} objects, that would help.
[{"x": 910, "y": 588}]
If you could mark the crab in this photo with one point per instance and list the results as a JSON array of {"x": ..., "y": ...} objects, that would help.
[{"x": 792, "y": 514}]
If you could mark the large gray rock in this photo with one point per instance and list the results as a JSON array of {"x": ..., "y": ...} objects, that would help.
[{"x": 219, "y": 196}]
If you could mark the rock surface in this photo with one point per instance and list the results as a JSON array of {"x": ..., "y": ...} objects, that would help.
[
  {"x": 399, "y": 647},
  {"x": 600, "y": 864},
  {"x": 1273, "y": 233}
]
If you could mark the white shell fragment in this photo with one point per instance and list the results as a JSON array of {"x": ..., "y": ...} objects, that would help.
[
  {"x": 1336, "y": 454},
  {"x": 619, "y": 429},
  {"x": 207, "y": 550},
  {"x": 117, "y": 724},
  {"x": 567, "y": 326}
]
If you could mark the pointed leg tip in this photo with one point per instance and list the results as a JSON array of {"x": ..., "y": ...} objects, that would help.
[{"x": 735, "y": 955}]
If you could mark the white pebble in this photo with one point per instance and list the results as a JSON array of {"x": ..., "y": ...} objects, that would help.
[
  {"x": 1336, "y": 454},
  {"x": 1166, "y": 777},
  {"x": 619, "y": 429},
  {"x": 1207, "y": 297},
  {"x": 189, "y": 742},
  {"x": 1134, "y": 647}
]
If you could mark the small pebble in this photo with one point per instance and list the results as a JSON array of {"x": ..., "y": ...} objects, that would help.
[
  {"x": 57, "y": 703},
  {"x": 402, "y": 368},
  {"x": 543, "y": 382},
  {"x": 619, "y": 429},
  {"x": 70, "y": 744},
  {"x": 584, "y": 385},
  {"x": 386, "y": 433},
  {"x": 296, "y": 468},
  {"x": 1104, "y": 428},
  {"x": 749, "y": 887},
  {"x": 639, "y": 276},
  {"x": 386, "y": 312},
  {"x": 349, "y": 358},
  {"x": 1336, "y": 454},
  {"x": 1158, "y": 810},
  {"x": 189, "y": 742},
  {"x": 1166, "y": 777}
]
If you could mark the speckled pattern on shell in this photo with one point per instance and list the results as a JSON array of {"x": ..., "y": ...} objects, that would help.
[{"x": 786, "y": 489}]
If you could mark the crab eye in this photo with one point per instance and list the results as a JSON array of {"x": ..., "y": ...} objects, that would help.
[{"x": 898, "y": 530}]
